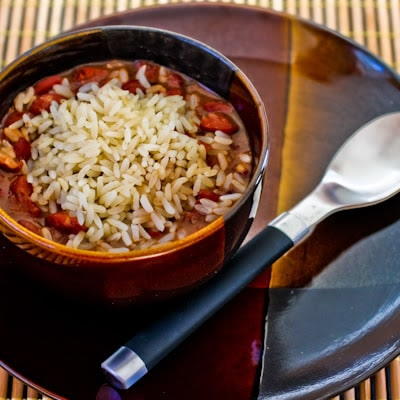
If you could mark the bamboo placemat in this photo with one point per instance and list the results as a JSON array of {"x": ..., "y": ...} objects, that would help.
[{"x": 373, "y": 23}]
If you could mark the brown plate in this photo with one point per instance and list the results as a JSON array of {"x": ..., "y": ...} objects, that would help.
[{"x": 317, "y": 88}]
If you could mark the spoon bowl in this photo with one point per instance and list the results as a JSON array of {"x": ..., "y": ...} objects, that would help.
[{"x": 366, "y": 169}]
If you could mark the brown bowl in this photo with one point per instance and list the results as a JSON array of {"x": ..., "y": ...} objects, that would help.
[{"x": 165, "y": 270}]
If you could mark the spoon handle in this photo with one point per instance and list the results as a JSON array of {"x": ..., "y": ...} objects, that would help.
[{"x": 150, "y": 345}]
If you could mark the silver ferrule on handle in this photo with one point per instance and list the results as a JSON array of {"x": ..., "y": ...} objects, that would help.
[
  {"x": 299, "y": 222},
  {"x": 124, "y": 368},
  {"x": 293, "y": 226}
]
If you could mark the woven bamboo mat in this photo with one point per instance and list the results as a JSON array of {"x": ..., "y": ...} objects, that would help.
[{"x": 373, "y": 23}]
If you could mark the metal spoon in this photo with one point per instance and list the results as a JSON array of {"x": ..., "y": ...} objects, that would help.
[{"x": 364, "y": 171}]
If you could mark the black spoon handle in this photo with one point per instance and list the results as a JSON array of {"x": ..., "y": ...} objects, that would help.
[{"x": 128, "y": 364}]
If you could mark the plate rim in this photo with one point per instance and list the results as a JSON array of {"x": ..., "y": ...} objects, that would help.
[{"x": 248, "y": 7}]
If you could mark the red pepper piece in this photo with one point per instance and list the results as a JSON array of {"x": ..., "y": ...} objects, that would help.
[
  {"x": 84, "y": 75},
  {"x": 208, "y": 194},
  {"x": 11, "y": 118},
  {"x": 213, "y": 106},
  {"x": 175, "y": 84},
  {"x": 65, "y": 223},
  {"x": 132, "y": 85},
  {"x": 152, "y": 71},
  {"x": 46, "y": 84},
  {"x": 175, "y": 92},
  {"x": 206, "y": 145},
  {"x": 30, "y": 225},
  {"x": 192, "y": 216},
  {"x": 32, "y": 208},
  {"x": 23, "y": 190},
  {"x": 212, "y": 160},
  {"x": 216, "y": 121},
  {"x": 20, "y": 187},
  {"x": 43, "y": 102},
  {"x": 175, "y": 80},
  {"x": 22, "y": 149},
  {"x": 154, "y": 233}
]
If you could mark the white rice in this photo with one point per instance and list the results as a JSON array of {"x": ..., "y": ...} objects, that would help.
[
  {"x": 245, "y": 158},
  {"x": 141, "y": 77},
  {"x": 23, "y": 98}
]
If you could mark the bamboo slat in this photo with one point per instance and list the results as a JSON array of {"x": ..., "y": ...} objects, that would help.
[
  {"x": 95, "y": 9},
  {"x": 331, "y": 13},
  {"x": 68, "y": 20},
  {"x": 122, "y": 5},
  {"x": 32, "y": 394},
  {"x": 358, "y": 23},
  {"x": 82, "y": 11},
  {"x": 17, "y": 389},
  {"x": 5, "y": 9},
  {"x": 28, "y": 26},
  {"x": 370, "y": 25},
  {"x": 380, "y": 385},
  {"x": 317, "y": 11},
  {"x": 304, "y": 11},
  {"x": 41, "y": 23},
  {"x": 395, "y": 379},
  {"x": 343, "y": 17},
  {"x": 365, "y": 390},
  {"x": 384, "y": 31},
  {"x": 15, "y": 30},
  {"x": 3, "y": 384},
  {"x": 291, "y": 6},
  {"x": 350, "y": 395},
  {"x": 395, "y": 23}
]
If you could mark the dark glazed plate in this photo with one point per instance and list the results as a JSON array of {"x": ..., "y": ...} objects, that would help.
[{"x": 334, "y": 309}]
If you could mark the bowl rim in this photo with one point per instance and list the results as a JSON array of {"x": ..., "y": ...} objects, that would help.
[{"x": 156, "y": 250}]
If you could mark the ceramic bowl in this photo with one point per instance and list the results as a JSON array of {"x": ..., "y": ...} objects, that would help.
[{"x": 166, "y": 270}]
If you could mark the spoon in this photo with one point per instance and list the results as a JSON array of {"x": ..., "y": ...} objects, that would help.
[{"x": 364, "y": 171}]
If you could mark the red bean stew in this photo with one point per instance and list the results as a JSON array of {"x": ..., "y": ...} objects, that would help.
[{"x": 120, "y": 155}]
